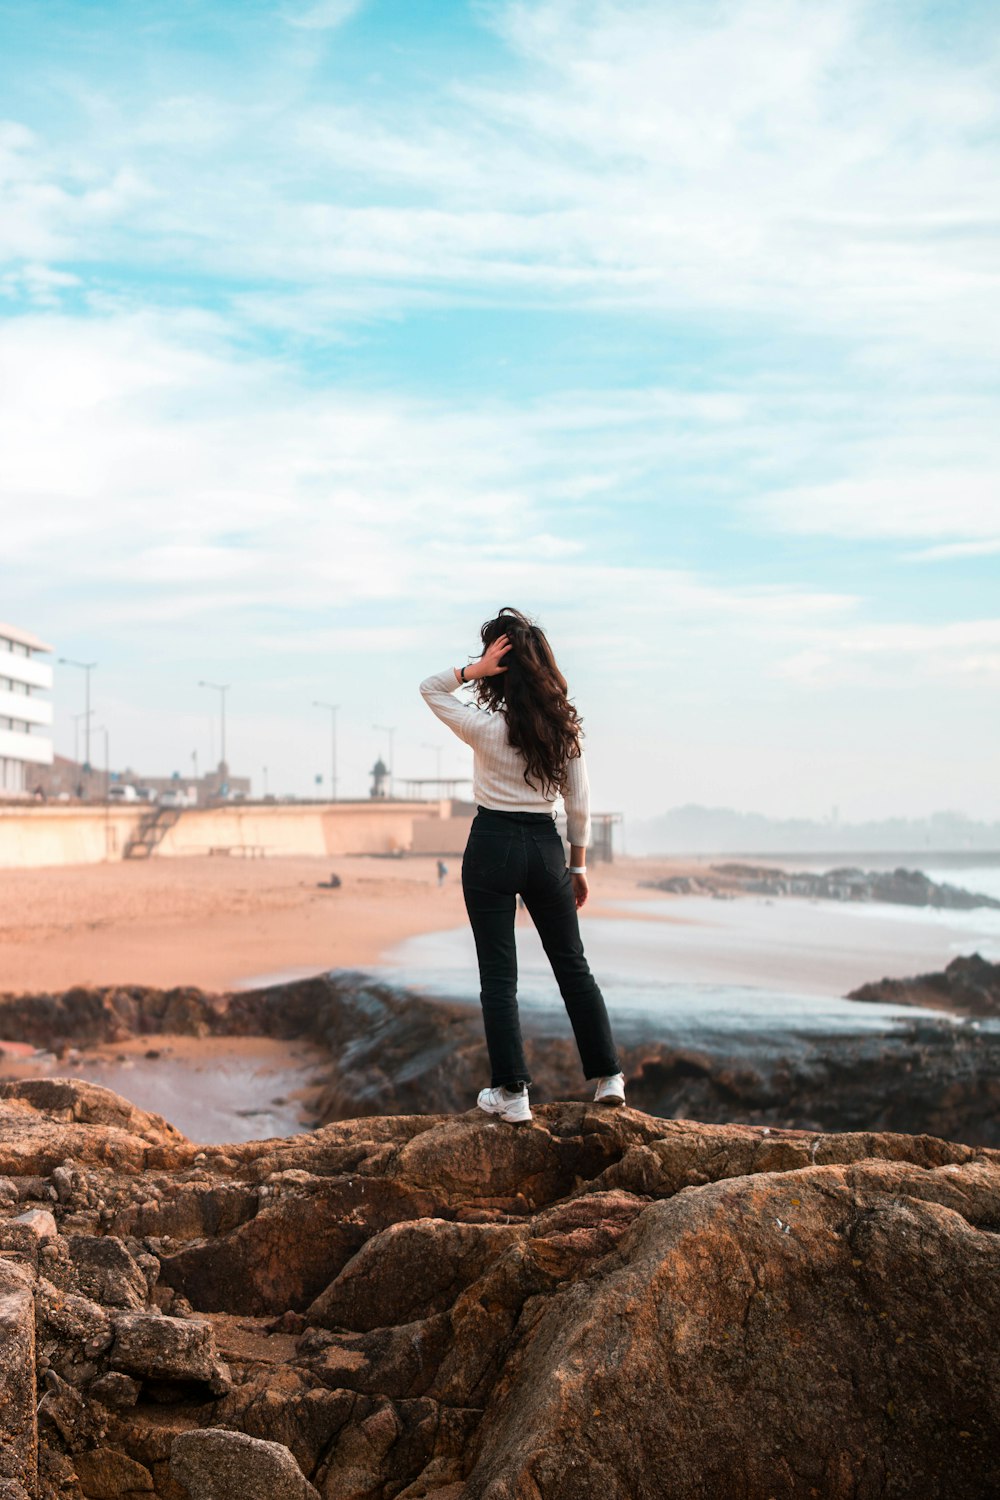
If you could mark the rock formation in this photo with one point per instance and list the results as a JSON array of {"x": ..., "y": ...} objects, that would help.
[
  {"x": 393, "y": 1051},
  {"x": 599, "y": 1304},
  {"x": 899, "y": 887},
  {"x": 967, "y": 987}
]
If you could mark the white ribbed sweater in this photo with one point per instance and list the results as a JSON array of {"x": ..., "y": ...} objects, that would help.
[{"x": 498, "y": 769}]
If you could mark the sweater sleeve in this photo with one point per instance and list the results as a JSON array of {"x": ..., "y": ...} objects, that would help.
[
  {"x": 463, "y": 719},
  {"x": 576, "y": 799}
]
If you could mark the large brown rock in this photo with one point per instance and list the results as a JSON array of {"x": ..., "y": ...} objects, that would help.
[
  {"x": 160, "y": 1348},
  {"x": 47, "y": 1121},
  {"x": 293, "y": 1245},
  {"x": 601, "y": 1303},
  {"x": 215, "y": 1464},
  {"x": 107, "y": 1474},
  {"x": 770, "y": 1336},
  {"x": 98, "y": 1267}
]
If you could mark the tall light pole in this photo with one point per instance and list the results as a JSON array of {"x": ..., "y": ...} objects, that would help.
[
  {"x": 86, "y": 667},
  {"x": 103, "y": 729},
  {"x": 333, "y": 707},
  {"x": 76, "y": 735},
  {"x": 390, "y": 730},
  {"x": 222, "y": 688}
]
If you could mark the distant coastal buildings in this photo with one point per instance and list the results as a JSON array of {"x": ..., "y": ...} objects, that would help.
[
  {"x": 722, "y": 830},
  {"x": 67, "y": 778},
  {"x": 25, "y": 715}
]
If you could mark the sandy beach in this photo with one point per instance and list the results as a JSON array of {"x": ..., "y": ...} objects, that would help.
[
  {"x": 220, "y": 923},
  {"x": 216, "y": 923},
  {"x": 227, "y": 923}
]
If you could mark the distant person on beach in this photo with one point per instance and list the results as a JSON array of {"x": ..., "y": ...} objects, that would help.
[
  {"x": 442, "y": 873},
  {"x": 525, "y": 736}
]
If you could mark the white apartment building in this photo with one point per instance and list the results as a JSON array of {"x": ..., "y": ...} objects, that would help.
[{"x": 25, "y": 717}]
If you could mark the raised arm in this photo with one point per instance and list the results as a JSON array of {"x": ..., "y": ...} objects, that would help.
[{"x": 438, "y": 692}]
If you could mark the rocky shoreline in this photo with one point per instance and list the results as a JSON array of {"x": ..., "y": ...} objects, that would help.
[
  {"x": 600, "y": 1304},
  {"x": 393, "y": 1051},
  {"x": 899, "y": 887},
  {"x": 967, "y": 987}
]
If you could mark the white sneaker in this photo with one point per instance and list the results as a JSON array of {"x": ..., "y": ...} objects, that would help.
[
  {"x": 514, "y": 1108},
  {"x": 611, "y": 1090}
]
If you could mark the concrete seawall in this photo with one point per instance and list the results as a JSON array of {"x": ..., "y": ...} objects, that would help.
[{"x": 61, "y": 835}]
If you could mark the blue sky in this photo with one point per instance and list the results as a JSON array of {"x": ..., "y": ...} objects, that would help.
[{"x": 326, "y": 329}]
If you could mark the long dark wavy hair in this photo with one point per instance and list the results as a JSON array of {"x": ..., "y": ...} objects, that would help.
[{"x": 541, "y": 721}]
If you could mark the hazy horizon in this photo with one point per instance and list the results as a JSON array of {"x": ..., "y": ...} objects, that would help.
[
  {"x": 724, "y": 830},
  {"x": 326, "y": 329}
]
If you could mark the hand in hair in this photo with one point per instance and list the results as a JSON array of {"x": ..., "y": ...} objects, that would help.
[{"x": 488, "y": 664}]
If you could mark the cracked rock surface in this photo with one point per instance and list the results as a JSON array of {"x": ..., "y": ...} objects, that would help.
[{"x": 599, "y": 1304}]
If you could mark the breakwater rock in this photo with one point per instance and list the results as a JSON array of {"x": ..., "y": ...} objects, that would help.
[
  {"x": 396, "y": 1051},
  {"x": 967, "y": 987},
  {"x": 599, "y": 1304},
  {"x": 899, "y": 887}
]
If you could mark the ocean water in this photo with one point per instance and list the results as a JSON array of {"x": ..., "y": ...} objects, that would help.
[
  {"x": 984, "y": 879},
  {"x": 925, "y": 938},
  {"x": 960, "y": 932},
  {"x": 733, "y": 976},
  {"x": 646, "y": 1004}
]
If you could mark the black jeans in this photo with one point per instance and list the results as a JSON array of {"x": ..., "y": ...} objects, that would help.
[{"x": 512, "y": 854}]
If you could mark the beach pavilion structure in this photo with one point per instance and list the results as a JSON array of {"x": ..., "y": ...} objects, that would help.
[{"x": 25, "y": 715}]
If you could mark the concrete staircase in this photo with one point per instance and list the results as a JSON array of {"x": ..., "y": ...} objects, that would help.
[{"x": 150, "y": 831}]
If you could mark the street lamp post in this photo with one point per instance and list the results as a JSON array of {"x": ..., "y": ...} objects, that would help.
[
  {"x": 333, "y": 707},
  {"x": 222, "y": 688},
  {"x": 86, "y": 667},
  {"x": 390, "y": 730},
  {"x": 76, "y": 736},
  {"x": 103, "y": 729}
]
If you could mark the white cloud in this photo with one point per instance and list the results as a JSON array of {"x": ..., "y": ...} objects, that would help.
[
  {"x": 323, "y": 16},
  {"x": 952, "y": 502},
  {"x": 876, "y": 654},
  {"x": 952, "y": 550},
  {"x": 713, "y": 160},
  {"x": 170, "y": 482}
]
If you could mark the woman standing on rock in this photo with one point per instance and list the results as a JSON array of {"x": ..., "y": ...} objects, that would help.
[{"x": 525, "y": 736}]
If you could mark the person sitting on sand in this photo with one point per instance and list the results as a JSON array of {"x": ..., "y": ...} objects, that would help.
[{"x": 525, "y": 736}]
